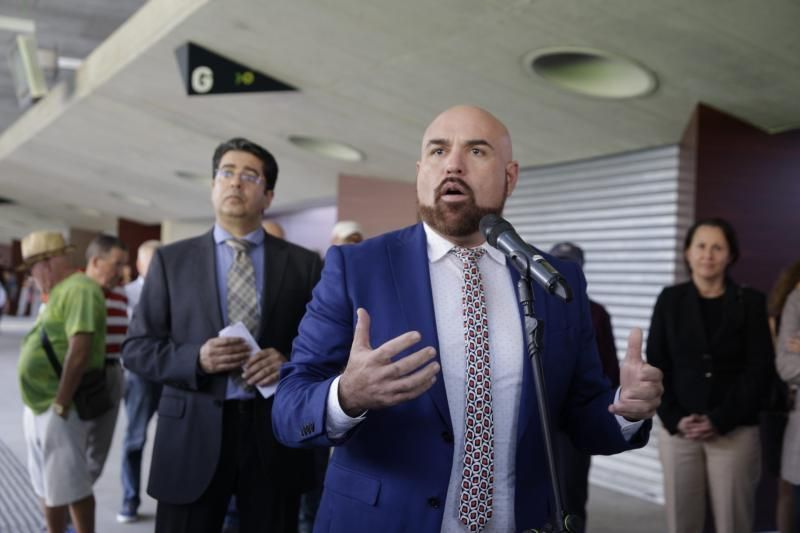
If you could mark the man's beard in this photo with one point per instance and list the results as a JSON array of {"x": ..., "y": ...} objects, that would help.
[{"x": 457, "y": 220}]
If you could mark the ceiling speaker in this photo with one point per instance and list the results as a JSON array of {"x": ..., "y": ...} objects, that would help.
[{"x": 28, "y": 77}]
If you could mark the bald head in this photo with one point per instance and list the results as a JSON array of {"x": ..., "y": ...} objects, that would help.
[
  {"x": 273, "y": 228},
  {"x": 468, "y": 120},
  {"x": 145, "y": 255},
  {"x": 465, "y": 172}
]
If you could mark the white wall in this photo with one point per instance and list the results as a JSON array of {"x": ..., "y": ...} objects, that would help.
[
  {"x": 175, "y": 230},
  {"x": 310, "y": 227}
]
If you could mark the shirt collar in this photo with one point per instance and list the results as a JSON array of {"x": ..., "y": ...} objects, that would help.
[
  {"x": 439, "y": 247},
  {"x": 255, "y": 237}
]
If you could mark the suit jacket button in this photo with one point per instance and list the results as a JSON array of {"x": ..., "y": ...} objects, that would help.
[
  {"x": 447, "y": 437},
  {"x": 434, "y": 502}
]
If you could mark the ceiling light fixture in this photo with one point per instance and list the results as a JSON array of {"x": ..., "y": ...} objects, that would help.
[
  {"x": 327, "y": 148},
  {"x": 135, "y": 200},
  {"x": 194, "y": 177},
  {"x": 89, "y": 212},
  {"x": 50, "y": 60},
  {"x": 17, "y": 25},
  {"x": 69, "y": 63},
  {"x": 591, "y": 72}
]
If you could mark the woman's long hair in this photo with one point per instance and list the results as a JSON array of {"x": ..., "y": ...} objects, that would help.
[{"x": 787, "y": 281}]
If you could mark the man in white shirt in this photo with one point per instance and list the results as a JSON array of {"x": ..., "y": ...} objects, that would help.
[
  {"x": 133, "y": 290},
  {"x": 411, "y": 361}
]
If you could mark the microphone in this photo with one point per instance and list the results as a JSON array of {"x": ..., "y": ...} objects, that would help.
[{"x": 528, "y": 260}]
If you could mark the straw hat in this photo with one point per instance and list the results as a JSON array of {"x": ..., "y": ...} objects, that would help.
[{"x": 41, "y": 245}]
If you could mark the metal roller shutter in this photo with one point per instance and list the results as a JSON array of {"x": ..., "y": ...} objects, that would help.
[{"x": 629, "y": 213}]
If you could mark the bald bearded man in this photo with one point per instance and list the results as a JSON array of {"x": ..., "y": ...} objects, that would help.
[{"x": 434, "y": 418}]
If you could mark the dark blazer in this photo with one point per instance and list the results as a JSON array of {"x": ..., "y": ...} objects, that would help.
[
  {"x": 723, "y": 377},
  {"x": 391, "y": 472},
  {"x": 178, "y": 312}
]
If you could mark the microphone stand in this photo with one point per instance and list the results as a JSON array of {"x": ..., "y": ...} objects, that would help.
[{"x": 564, "y": 523}]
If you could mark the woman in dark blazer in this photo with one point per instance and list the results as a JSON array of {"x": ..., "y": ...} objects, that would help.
[{"x": 710, "y": 337}]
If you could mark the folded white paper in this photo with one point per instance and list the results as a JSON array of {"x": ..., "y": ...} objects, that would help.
[{"x": 239, "y": 330}]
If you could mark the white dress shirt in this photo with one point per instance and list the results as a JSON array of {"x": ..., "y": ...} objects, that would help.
[
  {"x": 133, "y": 291},
  {"x": 507, "y": 357}
]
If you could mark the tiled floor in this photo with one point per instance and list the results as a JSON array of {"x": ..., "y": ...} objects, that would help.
[{"x": 108, "y": 489}]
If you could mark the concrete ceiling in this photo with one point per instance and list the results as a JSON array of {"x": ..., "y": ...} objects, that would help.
[
  {"x": 73, "y": 29},
  {"x": 373, "y": 74}
]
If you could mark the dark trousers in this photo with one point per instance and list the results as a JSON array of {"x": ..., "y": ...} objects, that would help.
[
  {"x": 309, "y": 501},
  {"x": 263, "y": 507},
  {"x": 796, "y": 507}
]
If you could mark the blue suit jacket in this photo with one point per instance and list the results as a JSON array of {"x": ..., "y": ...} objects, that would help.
[{"x": 391, "y": 472}]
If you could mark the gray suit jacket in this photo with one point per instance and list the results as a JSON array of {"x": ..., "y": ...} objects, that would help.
[
  {"x": 179, "y": 310},
  {"x": 788, "y": 364}
]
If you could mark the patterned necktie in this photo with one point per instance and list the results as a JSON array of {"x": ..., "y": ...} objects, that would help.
[
  {"x": 242, "y": 295},
  {"x": 477, "y": 476}
]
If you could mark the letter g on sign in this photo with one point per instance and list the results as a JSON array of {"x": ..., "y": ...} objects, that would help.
[{"x": 202, "y": 79}]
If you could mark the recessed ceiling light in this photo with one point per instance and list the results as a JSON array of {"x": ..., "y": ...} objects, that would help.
[
  {"x": 69, "y": 63},
  {"x": 89, "y": 212},
  {"x": 328, "y": 148},
  {"x": 591, "y": 72},
  {"x": 135, "y": 200}
]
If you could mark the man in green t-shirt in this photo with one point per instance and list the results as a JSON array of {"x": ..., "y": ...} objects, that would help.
[{"x": 74, "y": 320}]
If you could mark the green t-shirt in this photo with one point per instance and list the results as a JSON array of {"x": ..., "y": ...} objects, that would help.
[{"x": 75, "y": 305}]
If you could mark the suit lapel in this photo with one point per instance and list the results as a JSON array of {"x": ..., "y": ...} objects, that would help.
[
  {"x": 276, "y": 255},
  {"x": 408, "y": 257},
  {"x": 207, "y": 277},
  {"x": 528, "y": 410}
]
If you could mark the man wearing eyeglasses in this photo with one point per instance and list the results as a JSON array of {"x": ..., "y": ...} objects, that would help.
[{"x": 214, "y": 438}]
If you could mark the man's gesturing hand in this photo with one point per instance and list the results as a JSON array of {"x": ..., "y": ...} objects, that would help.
[
  {"x": 372, "y": 381},
  {"x": 641, "y": 384},
  {"x": 223, "y": 354}
]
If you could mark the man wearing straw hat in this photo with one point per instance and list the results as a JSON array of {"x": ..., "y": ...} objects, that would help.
[{"x": 73, "y": 322}]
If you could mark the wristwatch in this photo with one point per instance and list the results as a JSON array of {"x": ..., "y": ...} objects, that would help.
[{"x": 60, "y": 410}]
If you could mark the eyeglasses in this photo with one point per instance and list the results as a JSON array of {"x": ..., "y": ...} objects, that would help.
[{"x": 224, "y": 174}]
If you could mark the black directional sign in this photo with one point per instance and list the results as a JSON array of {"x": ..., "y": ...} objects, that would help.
[{"x": 205, "y": 72}]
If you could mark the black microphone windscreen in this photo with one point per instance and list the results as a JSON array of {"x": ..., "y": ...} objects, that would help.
[{"x": 492, "y": 226}]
